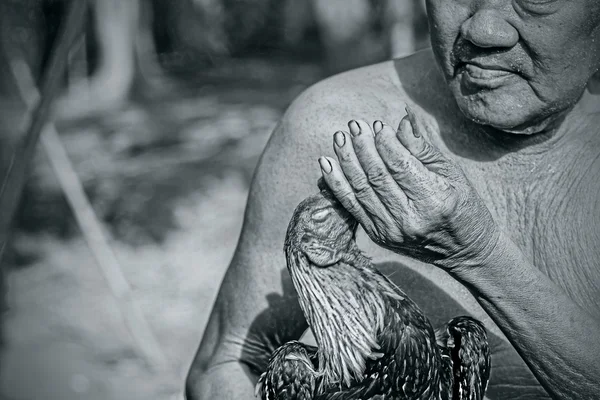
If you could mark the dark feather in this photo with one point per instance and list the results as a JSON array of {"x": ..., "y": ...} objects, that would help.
[
  {"x": 374, "y": 342},
  {"x": 290, "y": 374}
]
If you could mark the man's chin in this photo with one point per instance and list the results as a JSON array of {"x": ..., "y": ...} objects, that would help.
[
  {"x": 516, "y": 127},
  {"x": 512, "y": 120}
]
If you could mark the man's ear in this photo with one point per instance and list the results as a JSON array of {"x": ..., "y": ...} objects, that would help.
[{"x": 319, "y": 253}]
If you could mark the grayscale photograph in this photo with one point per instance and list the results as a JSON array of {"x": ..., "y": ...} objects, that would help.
[{"x": 299, "y": 199}]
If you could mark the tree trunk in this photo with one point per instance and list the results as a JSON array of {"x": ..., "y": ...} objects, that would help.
[
  {"x": 346, "y": 31},
  {"x": 115, "y": 23}
]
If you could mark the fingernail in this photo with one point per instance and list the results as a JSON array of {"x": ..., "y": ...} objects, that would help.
[
  {"x": 354, "y": 128},
  {"x": 405, "y": 126},
  {"x": 325, "y": 165},
  {"x": 339, "y": 138},
  {"x": 402, "y": 123},
  {"x": 411, "y": 116},
  {"x": 377, "y": 126}
]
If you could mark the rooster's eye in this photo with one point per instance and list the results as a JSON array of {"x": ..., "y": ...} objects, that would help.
[{"x": 320, "y": 215}]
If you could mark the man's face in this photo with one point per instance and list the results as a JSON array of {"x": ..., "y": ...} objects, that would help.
[{"x": 516, "y": 64}]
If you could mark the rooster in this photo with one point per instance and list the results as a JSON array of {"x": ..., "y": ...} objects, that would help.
[{"x": 374, "y": 343}]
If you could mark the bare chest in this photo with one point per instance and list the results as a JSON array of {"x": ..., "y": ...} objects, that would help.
[
  {"x": 549, "y": 204},
  {"x": 551, "y": 210}
]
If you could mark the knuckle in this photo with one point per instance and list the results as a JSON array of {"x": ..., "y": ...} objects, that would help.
[
  {"x": 360, "y": 144},
  {"x": 428, "y": 153},
  {"x": 377, "y": 175},
  {"x": 346, "y": 197},
  {"x": 353, "y": 208},
  {"x": 416, "y": 229},
  {"x": 427, "y": 149},
  {"x": 349, "y": 202},
  {"x": 363, "y": 194},
  {"x": 343, "y": 154},
  {"x": 361, "y": 187},
  {"x": 411, "y": 231},
  {"x": 400, "y": 166},
  {"x": 335, "y": 184}
]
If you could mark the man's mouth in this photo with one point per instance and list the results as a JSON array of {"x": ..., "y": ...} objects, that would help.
[
  {"x": 485, "y": 72},
  {"x": 485, "y": 76}
]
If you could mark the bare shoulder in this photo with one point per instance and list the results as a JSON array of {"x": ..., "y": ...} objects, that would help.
[
  {"x": 365, "y": 93},
  {"x": 379, "y": 91},
  {"x": 306, "y": 130}
]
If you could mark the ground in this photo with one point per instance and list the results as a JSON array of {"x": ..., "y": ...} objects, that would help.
[{"x": 169, "y": 177}]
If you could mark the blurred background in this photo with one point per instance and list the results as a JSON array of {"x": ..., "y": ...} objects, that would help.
[{"x": 160, "y": 115}]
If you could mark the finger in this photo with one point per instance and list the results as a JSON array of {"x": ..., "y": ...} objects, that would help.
[
  {"x": 355, "y": 175},
  {"x": 341, "y": 189},
  {"x": 373, "y": 222},
  {"x": 410, "y": 135},
  {"x": 410, "y": 174},
  {"x": 379, "y": 178}
]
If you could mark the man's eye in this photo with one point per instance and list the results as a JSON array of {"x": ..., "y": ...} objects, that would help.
[{"x": 320, "y": 215}]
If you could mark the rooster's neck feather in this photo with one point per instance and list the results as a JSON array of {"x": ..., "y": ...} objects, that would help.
[{"x": 345, "y": 305}]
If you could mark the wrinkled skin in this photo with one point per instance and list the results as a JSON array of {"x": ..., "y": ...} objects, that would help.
[
  {"x": 528, "y": 148},
  {"x": 550, "y": 48},
  {"x": 408, "y": 196}
]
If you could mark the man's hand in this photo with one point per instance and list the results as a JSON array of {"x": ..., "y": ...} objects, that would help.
[{"x": 408, "y": 196}]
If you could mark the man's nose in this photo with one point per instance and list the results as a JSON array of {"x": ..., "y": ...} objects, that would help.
[{"x": 487, "y": 28}]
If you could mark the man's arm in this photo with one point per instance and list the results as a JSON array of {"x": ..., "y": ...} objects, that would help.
[
  {"x": 556, "y": 338},
  {"x": 412, "y": 199},
  {"x": 256, "y": 309}
]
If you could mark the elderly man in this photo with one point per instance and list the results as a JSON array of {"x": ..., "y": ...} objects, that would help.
[{"x": 488, "y": 205}]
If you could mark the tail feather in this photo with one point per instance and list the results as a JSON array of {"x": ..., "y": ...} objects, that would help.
[
  {"x": 259, "y": 388},
  {"x": 466, "y": 342}
]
